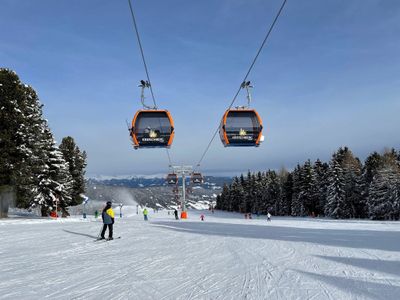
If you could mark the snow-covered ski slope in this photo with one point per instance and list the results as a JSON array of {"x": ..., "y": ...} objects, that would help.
[{"x": 225, "y": 257}]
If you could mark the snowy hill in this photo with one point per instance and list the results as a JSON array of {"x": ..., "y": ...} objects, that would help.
[
  {"x": 151, "y": 191},
  {"x": 225, "y": 257},
  {"x": 140, "y": 181}
]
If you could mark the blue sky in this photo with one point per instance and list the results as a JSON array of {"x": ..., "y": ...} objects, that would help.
[{"x": 328, "y": 77}]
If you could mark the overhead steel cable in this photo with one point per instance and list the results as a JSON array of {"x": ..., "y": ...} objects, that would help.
[
  {"x": 142, "y": 52},
  {"x": 169, "y": 158},
  {"x": 145, "y": 67},
  {"x": 271, "y": 27}
]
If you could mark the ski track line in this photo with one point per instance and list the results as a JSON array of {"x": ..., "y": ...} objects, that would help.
[
  {"x": 348, "y": 273},
  {"x": 202, "y": 280},
  {"x": 244, "y": 276},
  {"x": 251, "y": 279},
  {"x": 197, "y": 281},
  {"x": 266, "y": 280},
  {"x": 252, "y": 285},
  {"x": 184, "y": 285},
  {"x": 324, "y": 288},
  {"x": 254, "y": 271}
]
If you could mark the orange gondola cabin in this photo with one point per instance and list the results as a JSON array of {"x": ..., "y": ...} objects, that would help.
[
  {"x": 172, "y": 179},
  {"x": 241, "y": 127},
  {"x": 196, "y": 178},
  {"x": 152, "y": 128}
]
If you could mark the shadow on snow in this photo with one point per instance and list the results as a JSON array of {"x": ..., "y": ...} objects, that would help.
[
  {"x": 373, "y": 290},
  {"x": 82, "y": 234},
  {"x": 380, "y": 240},
  {"x": 379, "y": 265}
]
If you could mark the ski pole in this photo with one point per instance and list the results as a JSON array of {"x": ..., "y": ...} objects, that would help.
[{"x": 101, "y": 229}]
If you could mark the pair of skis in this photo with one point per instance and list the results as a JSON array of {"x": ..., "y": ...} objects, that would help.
[{"x": 107, "y": 240}]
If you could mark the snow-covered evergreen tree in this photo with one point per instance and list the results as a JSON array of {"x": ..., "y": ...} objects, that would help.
[
  {"x": 336, "y": 206},
  {"x": 234, "y": 197},
  {"x": 21, "y": 125},
  {"x": 264, "y": 200},
  {"x": 258, "y": 190},
  {"x": 11, "y": 94},
  {"x": 372, "y": 163},
  {"x": 297, "y": 204},
  {"x": 384, "y": 192},
  {"x": 218, "y": 202},
  {"x": 352, "y": 174},
  {"x": 54, "y": 180},
  {"x": 77, "y": 163},
  {"x": 29, "y": 158},
  {"x": 282, "y": 204},
  {"x": 243, "y": 192},
  {"x": 308, "y": 186},
  {"x": 273, "y": 192},
  {"x": 321, "y": 180},
  {"x": 287, "y": 195},
  {"x": 223, "y": 201}
]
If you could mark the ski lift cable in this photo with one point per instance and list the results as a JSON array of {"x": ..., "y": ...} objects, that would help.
[
  {"x": 169, "y": 158},
  {"x": 142, "y": 52},
  {"x": 145, "y": 67},
  {"x": 245, "y": 77}
]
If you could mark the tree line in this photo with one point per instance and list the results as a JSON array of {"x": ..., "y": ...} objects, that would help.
[
  {"x": 41, "y": 172},
  {"x": 343, "y": 188}
]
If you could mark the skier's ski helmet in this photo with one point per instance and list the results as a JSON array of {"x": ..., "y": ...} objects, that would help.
[{"x": 109, "y": 203}]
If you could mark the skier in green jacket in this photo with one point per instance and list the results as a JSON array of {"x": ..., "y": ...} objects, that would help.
[{"x": 145, "y": 213}]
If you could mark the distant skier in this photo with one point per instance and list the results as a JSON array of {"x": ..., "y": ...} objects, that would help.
[
  {"x": 202, "y": 217},
  {"x": 250, "y": 217},
  {"x": 176, "y": 214},
  {"x": 269, "y": 217},
  {"x": 96, "y": 214},
  {"x": 108, "y": 220},
  {"x": 145, "y": 213}
]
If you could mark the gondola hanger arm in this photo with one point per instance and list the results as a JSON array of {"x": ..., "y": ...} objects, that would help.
[{"x": 143, "y": 85}]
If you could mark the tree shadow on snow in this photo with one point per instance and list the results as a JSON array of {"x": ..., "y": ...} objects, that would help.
[
  {"x": 354, "y": 287},
  {"x": 368, "y": 239},
  {"x": 385, "y": 266},
  {"x": 82, "y": 234}
]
